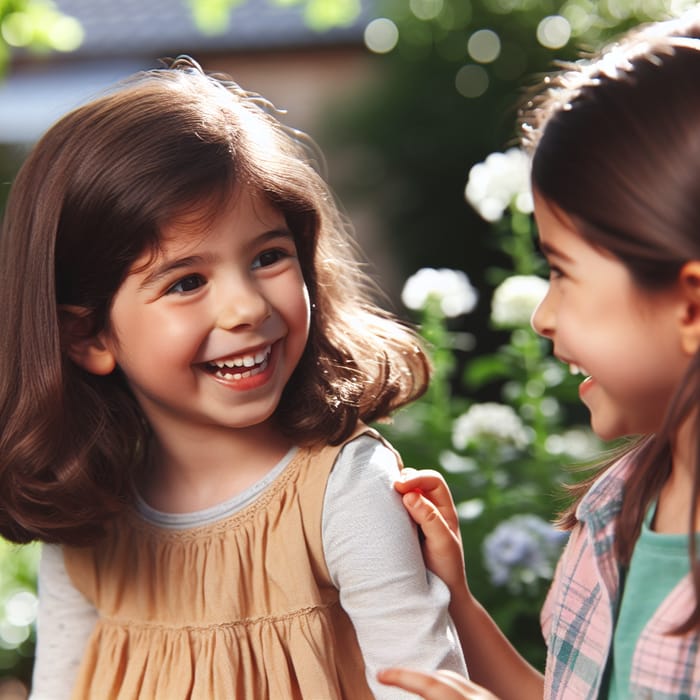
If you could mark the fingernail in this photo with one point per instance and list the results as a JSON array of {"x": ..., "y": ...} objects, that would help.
[{"x": 411, "y": 498}]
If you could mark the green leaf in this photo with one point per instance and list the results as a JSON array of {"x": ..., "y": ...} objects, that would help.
[
  {"x": 212, "y": 16},
  {"x": 485, "y": 369},
  {"x": 325, "y": 14}
]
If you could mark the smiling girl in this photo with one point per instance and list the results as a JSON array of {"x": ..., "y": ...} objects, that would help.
[
  {"x": 616, "y": 177},
  {"x": 188, "y": 358}
]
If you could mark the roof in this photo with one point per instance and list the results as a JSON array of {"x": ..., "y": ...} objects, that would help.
[{"x": 126, "y": 27}]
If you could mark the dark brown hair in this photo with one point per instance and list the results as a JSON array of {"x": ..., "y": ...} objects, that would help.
[
  {"x": 89, "y": 200},
  {"x": 616, "y": 142}
]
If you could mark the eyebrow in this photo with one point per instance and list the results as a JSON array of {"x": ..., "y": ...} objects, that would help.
[
  {"x": 167, "y": 267},
  {"x": 550, "y": 251}
]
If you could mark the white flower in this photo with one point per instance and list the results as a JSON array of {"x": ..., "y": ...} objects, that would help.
[
  {"x": 451, "y": 287},
  {"x": 579, "y": 443},
  {"x": 489, "y": 421},
  {"x": 456, "y": 464},
  {"x": 515, "y": 300},
  {"x": 502, "y": 180},
  {"x": 471, "y": 509}
]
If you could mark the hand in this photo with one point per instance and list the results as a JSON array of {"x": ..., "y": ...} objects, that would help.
[
  {"x": 428, "y": 500},
  {"x": 440, "y": 685}
]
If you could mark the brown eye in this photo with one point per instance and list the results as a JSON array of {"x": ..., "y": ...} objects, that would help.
[
  {"x": 269, "y": 257},
  {"x": 186, "y": 284}
]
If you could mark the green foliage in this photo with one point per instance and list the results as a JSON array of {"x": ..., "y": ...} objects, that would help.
[
  {"x": 212, "y": 16},
  {"x": 325, "y": 14},
  {"x": 36, "y": 25},
  {"x": 18, "y": 570}
]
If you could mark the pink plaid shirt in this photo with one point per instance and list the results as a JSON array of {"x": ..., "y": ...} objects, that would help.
[{"x": 581, "y": 607}]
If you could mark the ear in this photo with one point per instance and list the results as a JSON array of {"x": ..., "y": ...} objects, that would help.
[
  {"x": 86, "y": 348},
  {"x": 689, "y": 280}
]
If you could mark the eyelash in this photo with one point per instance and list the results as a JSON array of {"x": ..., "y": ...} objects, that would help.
[
  {"x": 174, "y": 288},
  {"x": 555, "y": 272},
  {"x": 278, "y": 253}
]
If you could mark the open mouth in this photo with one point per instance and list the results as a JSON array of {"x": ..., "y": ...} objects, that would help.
[
  {"x": 576, "y": 369},
  {"x": 241, "y": 366}
]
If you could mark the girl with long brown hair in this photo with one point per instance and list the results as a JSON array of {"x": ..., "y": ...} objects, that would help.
[
  {"x": 189, "y": 357},
  {"x": 616, "y": 178}
]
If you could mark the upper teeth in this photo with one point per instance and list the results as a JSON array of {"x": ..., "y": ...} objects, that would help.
[
  {"x": 575, "y": 369},
  {"x": 242, "y": 360}
]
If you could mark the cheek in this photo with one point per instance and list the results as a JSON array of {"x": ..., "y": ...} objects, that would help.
[
  {"x": 299, "y": 315},
  {"x": 149, "y": 341},
  {"x": 294, "y": 304},
  {"x": 305, "y": 309}
]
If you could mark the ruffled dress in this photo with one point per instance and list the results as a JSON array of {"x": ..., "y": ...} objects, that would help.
[{"x": 240, "y": 608}]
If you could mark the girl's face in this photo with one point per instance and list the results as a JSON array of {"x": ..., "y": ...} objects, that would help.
[
  {"x": 624, "y": 339},
  {"x": 209, "y": 331}
]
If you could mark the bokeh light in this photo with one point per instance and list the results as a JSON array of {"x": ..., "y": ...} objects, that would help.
[
  {"x": 17, "y": 29},
  {"x": 553, "y": 32},
  {"x": 426, "y": 9},
  {"x": 472, "y": 81},
  {"x": 381, "y": 35},
  {"x": 484, "y": 46}
]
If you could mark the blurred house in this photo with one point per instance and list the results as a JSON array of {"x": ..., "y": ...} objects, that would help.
[{"x": 265, "y": 47}]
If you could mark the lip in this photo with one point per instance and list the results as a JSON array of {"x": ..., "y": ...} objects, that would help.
[{"x": 585, "y": 386}]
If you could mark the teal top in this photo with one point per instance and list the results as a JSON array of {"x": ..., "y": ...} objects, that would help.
[{"x": 659, "y": 562}]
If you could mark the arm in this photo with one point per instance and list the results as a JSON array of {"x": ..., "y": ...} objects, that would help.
[
  {"x": 493, "y": 661},
  {"x": 398, "y": 609},
  {"x": 65, "y": 621}
]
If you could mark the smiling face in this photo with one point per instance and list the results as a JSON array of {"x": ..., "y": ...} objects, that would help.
[
  {"x": 603, "y": 324},
  {"x": 210, "y": 329}
]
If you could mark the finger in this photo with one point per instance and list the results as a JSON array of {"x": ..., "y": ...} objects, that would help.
[
  {"x": 424, "y": 513},
  {"x": 442, "y": 542},
  {"x": 443, "y": 685},
  {"x": 433, "y": 487},
  {"x": 423, "y": 479}
]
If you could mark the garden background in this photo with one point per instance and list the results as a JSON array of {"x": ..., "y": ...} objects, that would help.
[{"x": 430, "y": 148}]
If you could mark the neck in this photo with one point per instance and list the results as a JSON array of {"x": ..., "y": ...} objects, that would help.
[
  {"x": 194, "y": 472},
  {"x": 676, "y": 497}
]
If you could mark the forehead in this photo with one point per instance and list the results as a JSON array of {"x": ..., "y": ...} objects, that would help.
[
  {"x": 237, "y": 211},
  {"x": 554, "y": 227},
  {"x": 237, "y": 215}
]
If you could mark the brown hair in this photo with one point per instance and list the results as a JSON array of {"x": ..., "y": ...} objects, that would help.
[
  {"x": 616, "y": 142},
  {"x": 91, "y": 197}
]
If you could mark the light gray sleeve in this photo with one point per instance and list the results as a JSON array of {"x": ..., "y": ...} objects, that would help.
[
  {"x": 64, "y": 623},
  {"x": 398, "y": 608}
]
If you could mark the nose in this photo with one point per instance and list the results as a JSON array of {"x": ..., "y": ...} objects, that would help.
[
  {"x": 542, "y": 319},
  {"x": 241, "y": 305}
]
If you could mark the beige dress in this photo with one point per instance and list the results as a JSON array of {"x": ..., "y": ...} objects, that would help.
[{"x": 241, "y": 608}]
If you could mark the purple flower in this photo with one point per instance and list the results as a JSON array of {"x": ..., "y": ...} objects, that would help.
[{"x": 522, "y": 550}]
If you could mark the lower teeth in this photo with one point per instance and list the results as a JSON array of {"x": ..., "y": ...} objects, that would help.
[{"x": 242, "y": 375}]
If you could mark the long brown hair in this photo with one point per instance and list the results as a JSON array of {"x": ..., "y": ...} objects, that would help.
[
  {"x": 616, "y": 142},
  {"x": 90, "y": 198}
]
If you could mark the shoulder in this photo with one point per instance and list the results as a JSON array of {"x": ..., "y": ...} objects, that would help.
[
  {"x": 604, "y": 497},
  {"x": 366, "y": 456},
  {"x": 360, "y": 487}
]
